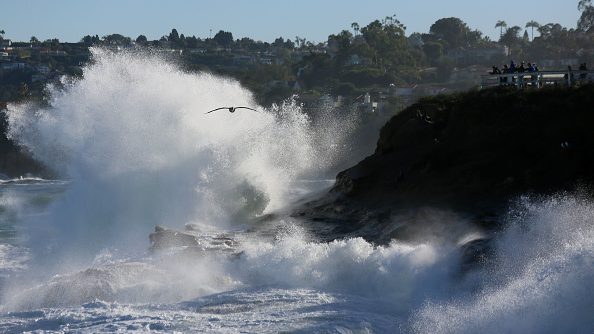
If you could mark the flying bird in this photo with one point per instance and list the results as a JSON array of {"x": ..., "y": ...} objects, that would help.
[{"x": 231, "y": 109}]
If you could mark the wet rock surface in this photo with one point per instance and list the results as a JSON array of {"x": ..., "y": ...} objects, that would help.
[{"x": 192, "y": 240}]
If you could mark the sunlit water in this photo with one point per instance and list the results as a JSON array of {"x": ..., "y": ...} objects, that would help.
[{"x": 137, "y": 150}]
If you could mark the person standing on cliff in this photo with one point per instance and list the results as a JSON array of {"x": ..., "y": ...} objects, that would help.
[{"x": 583, "y": 74}]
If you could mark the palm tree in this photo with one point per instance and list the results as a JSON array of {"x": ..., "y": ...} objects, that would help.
[
  {"x": 501, "y": 24},
  {"x": 532, "y": 24},
  {"x": 582, "y": 4},
  {"x": 355, "y": 27}
]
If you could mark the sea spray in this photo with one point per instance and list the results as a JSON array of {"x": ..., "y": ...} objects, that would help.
[
  {"x": 537, "y": 281},
  {"x": 132, "y": 136},
  {"x": 540, "y": 280},
  {"x": 398, "y": 275}
]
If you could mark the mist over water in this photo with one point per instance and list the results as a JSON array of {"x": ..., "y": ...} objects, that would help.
[
  {"x": 541, "y": 280},
  {"x": 132, "y": 139}
]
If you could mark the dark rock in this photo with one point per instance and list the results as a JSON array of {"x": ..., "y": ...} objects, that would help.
[
  {"x": 192, "y": 241},
  {"x": 16, "y": 161},
  {"x": 163, "y": 238},
  {"x": 470, "y": 153}
]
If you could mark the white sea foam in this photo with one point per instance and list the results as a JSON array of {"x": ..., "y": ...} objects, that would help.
[
  {"x": 541, "y": 281},
  {"x": 133, "y": 137}
]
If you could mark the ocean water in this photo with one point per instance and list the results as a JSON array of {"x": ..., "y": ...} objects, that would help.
[{"x": 136, "y": 150}]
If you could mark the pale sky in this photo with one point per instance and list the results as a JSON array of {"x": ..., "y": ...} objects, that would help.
[{"x": 70, "y": 20}]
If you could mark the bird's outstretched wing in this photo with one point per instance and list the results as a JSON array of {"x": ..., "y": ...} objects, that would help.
[
  {"x": 245, "y": 108},
  {"x": 216, "y": 109}
]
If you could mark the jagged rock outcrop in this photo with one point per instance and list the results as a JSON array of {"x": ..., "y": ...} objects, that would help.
[{"x": 470, "y": 153}]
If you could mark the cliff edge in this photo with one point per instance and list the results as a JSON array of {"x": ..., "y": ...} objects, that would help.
[{"x": 470, "y": 152}]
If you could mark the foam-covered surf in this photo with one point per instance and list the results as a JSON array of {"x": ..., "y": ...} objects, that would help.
[{"x": 540, "y": 281}]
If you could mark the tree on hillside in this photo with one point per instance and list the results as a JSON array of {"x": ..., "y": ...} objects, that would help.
[
  {"x": 51, "y": 42},
  {"x": 355, "y": 27},
  {"x": 555, "y": 39},
  {"x": 341, "y": 40},
  {"x": 300, "y": 42},
  {"x": 117, "y": 39},
  {"x": 173, "y": 36},
  {"x": 279, "y": 42},
  {"x": 501, "y": 25},
  {"x": 223, "y": 38},
  {"x": 385, "y": 40},
  {"x": 341, "y": 45},
  {"x": 553, "y": 32},
  {"x": 89, "y": 40},
  {"x": 532, "y": 24},
  {"x": 433, "y": 51},
  {"x": 34, "y": 40},
  {"x": 289, "y": 44},
  {"x": 586, "y": 21},
  {"x": 511, "y": 36},
  {"x": 1, "y": 34},
  {"x": 455, "y": 33},
  {"x": 192, "y": 42},
  {"x": 582, "y": 4},
  {"x": 141, "y": 39}
]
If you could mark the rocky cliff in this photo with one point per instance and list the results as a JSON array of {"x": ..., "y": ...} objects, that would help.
[{"x": 469, "y": 152}]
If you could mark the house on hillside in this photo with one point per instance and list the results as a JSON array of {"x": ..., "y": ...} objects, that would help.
[
  {"x": 53, "y": 53},
  {"x": 367, "y": 103},
  {"x": 243, "y": 60},
  {"x": 5, "y": 44},
  {"x": 355, "y": 60}
]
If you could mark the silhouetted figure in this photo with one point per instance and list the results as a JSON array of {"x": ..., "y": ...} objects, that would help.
[
  {"x": 513, "y": 69},
  {"x": 533, "y": 78},
  {"x": 583, "y": 74},
  {"x": 505, "y": 71},
  {"x": 569, "y": 76},
  {"x": 495, "y": 70}
]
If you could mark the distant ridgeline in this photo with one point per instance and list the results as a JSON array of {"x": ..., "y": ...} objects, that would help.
[
  {"x": 472, "y": 152},
  {"x": 14, "y": 161}
]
